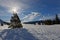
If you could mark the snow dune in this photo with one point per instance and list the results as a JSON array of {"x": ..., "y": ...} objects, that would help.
[{"x": 31, "y": 32}]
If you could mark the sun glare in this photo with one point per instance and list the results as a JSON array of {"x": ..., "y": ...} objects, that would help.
[{"x": 14, "y": 10}]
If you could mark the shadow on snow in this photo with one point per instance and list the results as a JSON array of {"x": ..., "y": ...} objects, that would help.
[{"x": 16, "y": 34}]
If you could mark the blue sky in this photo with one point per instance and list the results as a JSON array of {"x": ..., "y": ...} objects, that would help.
[{"x": 30, "y": 10}]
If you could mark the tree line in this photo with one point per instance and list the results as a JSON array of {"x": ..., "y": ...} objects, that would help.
[{"x": 45, "y": 22}]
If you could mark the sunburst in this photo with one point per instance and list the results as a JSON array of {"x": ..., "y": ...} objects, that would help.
[{"x": 14, "y": 10}]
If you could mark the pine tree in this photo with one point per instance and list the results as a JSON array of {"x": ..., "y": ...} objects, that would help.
[
  {"x": 56, "y": 19},
  {"x": 15, "y": 21}
]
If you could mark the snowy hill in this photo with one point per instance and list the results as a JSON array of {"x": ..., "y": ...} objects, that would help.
[
  {"x": 16, "y": 34},
  {"x": 1, "y": 21},
  {"x": 31, "y": 32}
]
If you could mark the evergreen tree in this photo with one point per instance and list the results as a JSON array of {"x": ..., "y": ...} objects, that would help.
[
  {"x": 56, "y": 19},
  {"x": 15, "y": 21}
]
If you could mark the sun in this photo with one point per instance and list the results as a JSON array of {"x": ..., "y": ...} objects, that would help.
[{"x": 14, "y": 10}]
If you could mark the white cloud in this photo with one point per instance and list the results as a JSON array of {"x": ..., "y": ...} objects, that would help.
[
  {"x": 31, "y": 16},
  {"x": 9, "y": 4}
]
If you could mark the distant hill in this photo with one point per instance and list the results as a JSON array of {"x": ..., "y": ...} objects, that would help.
[
  {"x": 34, "y": 22},
  {"x": 3, "y": 22},
  {"x": 44, "y": 22},
  {"x": 56, "y": 20}
]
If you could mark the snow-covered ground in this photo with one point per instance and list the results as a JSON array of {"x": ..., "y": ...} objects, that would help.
[{"x": 31, "y": 32}]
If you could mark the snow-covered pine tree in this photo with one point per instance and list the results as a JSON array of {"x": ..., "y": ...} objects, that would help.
[{"x": 15, "y": 22}]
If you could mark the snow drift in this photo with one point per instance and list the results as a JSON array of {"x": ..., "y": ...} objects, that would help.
[
  {"x": 16, "y": 34},
  {"x": 31, "y": 32}
]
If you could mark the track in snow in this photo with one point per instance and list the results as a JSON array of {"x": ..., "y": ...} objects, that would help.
[{"x": 32, "y": 32}]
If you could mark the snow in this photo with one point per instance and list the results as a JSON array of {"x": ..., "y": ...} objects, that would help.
[{"x": 31, "y": 32}]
